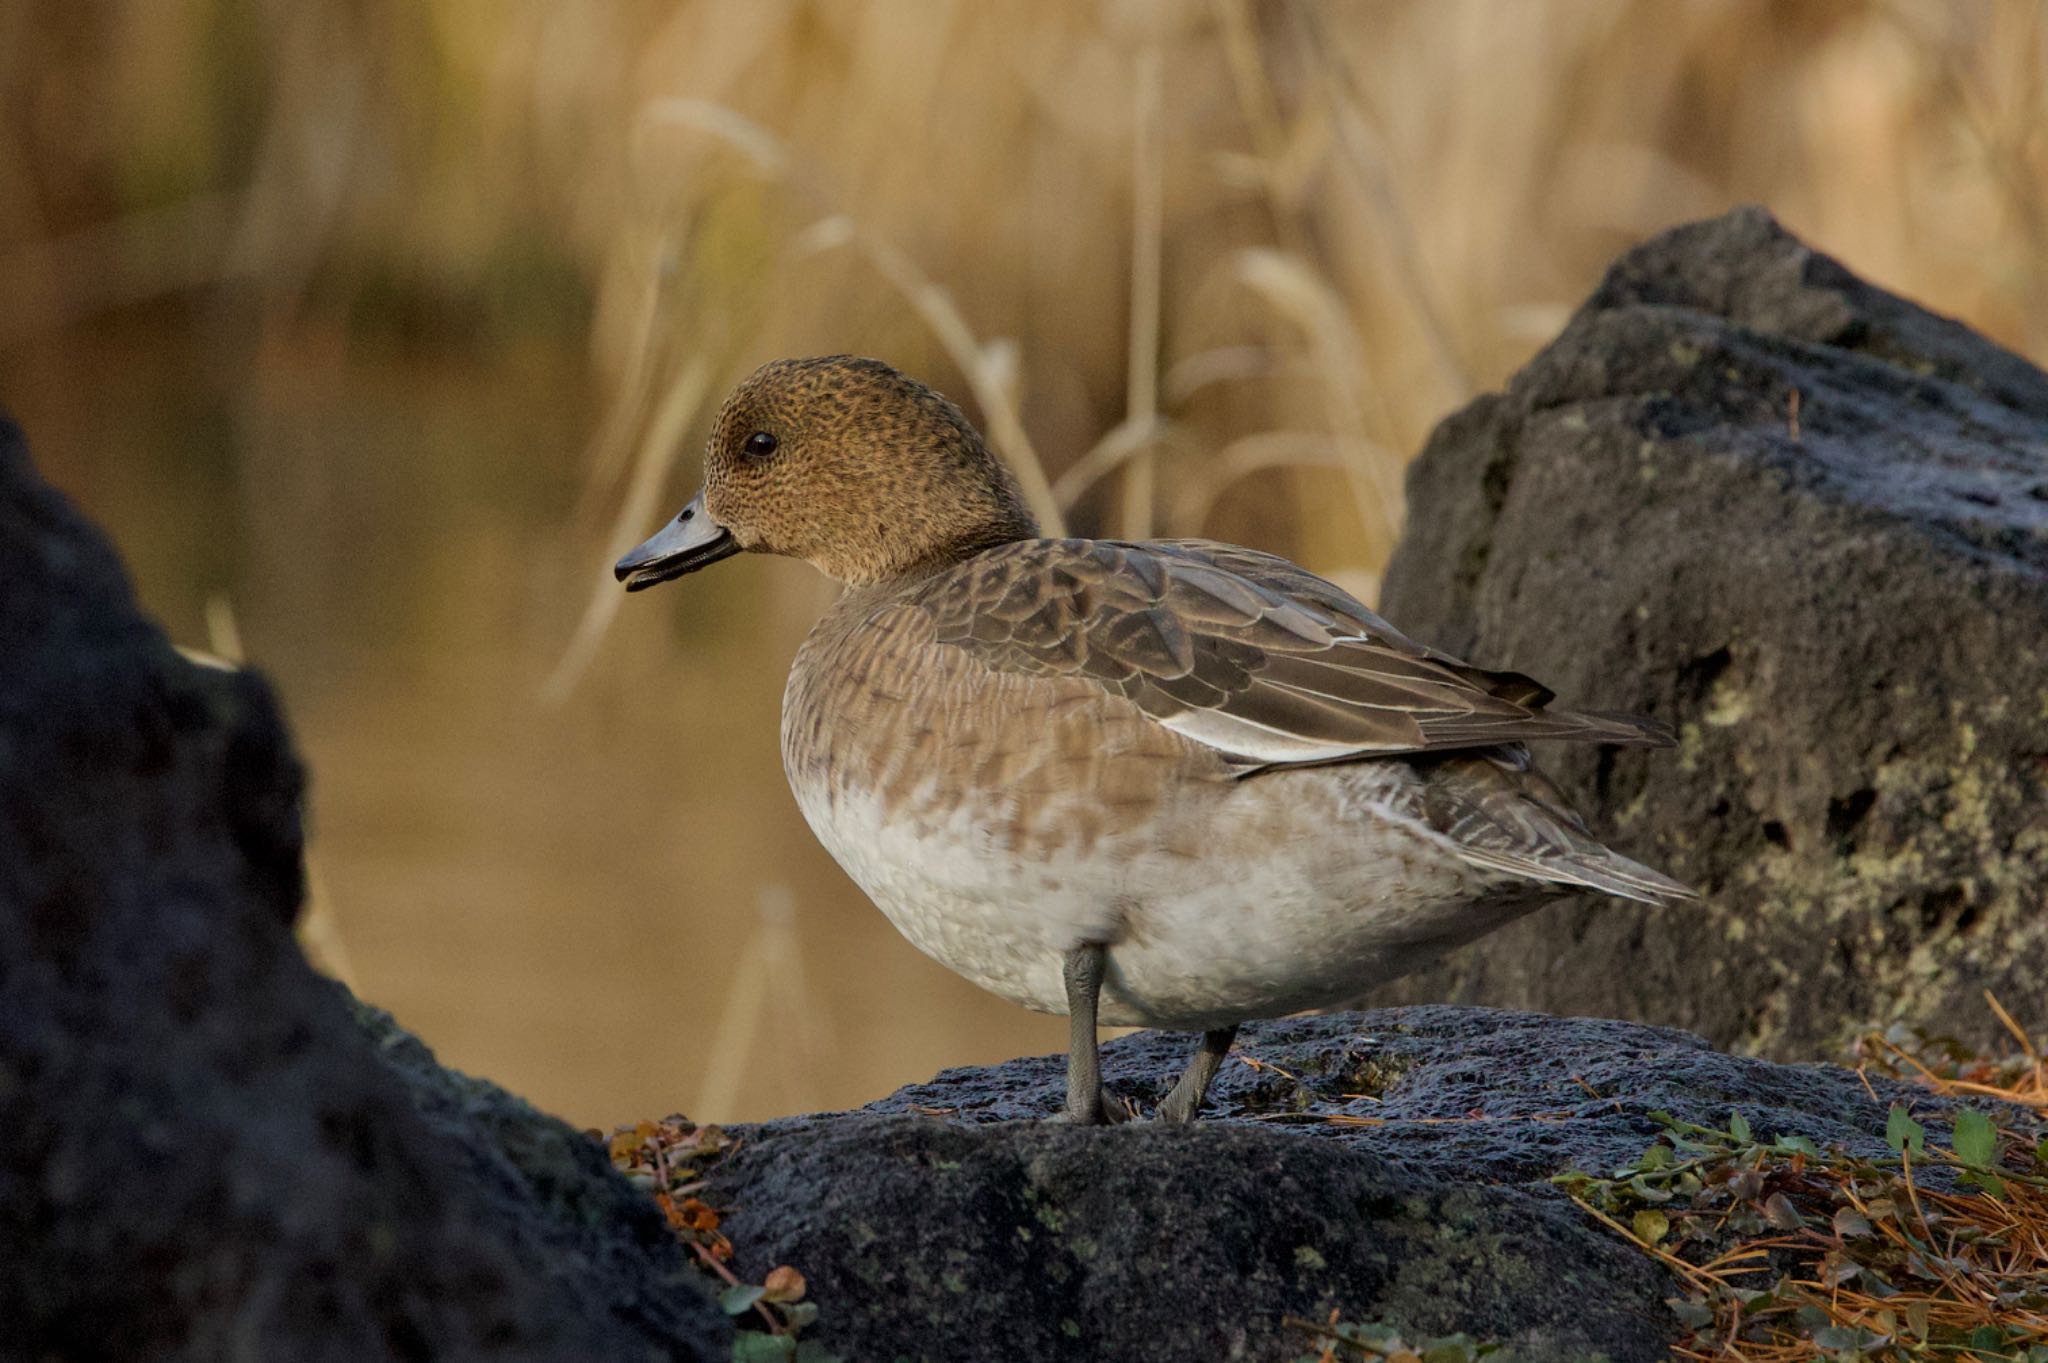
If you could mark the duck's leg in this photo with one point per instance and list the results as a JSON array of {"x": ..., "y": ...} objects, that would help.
[
  {"x": 1185, "y": 1101},
  {"x": 1088, "y": 1103}
]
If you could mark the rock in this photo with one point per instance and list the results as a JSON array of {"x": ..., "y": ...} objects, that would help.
[
  {"x": 202, "y": 1155},
  {"x": 1807, "y": 523},
  {"x": 1392, "y": 1165}
]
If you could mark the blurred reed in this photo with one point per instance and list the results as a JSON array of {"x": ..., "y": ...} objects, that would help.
[
  {"x": 1135, "y": 234},
  {"x": 1197, "y": 268}
]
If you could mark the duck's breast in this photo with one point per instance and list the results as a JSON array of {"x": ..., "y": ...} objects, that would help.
[{"x": 997, "y": 819}]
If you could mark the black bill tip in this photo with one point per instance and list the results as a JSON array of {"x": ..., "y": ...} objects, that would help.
[{"x": 689, "y": 542}]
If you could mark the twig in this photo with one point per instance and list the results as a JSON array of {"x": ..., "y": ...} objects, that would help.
[
  {"x": 1671, "y": 1261},
  {"x": 1141, "y": 366}
]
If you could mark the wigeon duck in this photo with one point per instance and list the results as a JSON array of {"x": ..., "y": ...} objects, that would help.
[{"x": 1175, "y": 784}]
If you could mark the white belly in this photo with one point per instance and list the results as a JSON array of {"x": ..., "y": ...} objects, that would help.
[{"x": 1326, "y": 896}]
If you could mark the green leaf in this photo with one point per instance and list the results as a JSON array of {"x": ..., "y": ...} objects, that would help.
[
  {"x": 1975, "y": 1141},
  {"x": 1843, "y": 1338},
  {"x": 1989, "y": 1339},
  {"x": 1651, "y": 1226},
  {"x": 1648, "y": 1191},
  {"x": 1694, "y": 1315},
  {"x": 1738, "y": 1127},
  {"x": 757, "y": 1346},
  {"x": 1902, "y": 1133},
  {"x": 1378, "y": 1335},
  {"x": 1989, "y": 1182},
  {"x": 738, "y": 1299},
  {"x": 1449, "y": 1349}
]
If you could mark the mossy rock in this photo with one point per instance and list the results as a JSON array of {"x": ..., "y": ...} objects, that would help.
[{"x": 1806, "y": 522}]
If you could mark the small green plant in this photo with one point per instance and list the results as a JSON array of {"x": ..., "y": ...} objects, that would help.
[
  {"x": 670, "y": 1159},
  {"x": 1790, "y": 1253},
  {"x": 1340, "y": 1341}
]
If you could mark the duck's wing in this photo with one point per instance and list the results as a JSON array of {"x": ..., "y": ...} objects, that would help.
[{"x": 1243, "y": 652}]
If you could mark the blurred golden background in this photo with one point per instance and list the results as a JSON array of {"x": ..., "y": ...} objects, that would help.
[{"x": 375, "y": 329}]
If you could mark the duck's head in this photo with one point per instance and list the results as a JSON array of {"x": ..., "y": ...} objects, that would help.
[{"x": 845, "y": 463}]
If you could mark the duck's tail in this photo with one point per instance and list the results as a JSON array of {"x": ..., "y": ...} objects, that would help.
[{"x": 1501, "y": 814}]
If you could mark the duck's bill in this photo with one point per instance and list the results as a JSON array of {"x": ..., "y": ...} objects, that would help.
[{"x": 689, "y": 542}]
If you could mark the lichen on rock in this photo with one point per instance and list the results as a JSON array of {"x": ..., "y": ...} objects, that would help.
[{"x": 1806, "y": 522}]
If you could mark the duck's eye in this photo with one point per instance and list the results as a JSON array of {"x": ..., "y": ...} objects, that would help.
[{"x": 760, "y": 445}]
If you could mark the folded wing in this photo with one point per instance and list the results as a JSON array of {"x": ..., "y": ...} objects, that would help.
[{"x": 1241, "y": 651}]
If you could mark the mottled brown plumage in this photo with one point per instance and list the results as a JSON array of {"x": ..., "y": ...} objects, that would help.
[
  {"x": 1264, "y": 662},
  {"x": 1178, "y": 782}
]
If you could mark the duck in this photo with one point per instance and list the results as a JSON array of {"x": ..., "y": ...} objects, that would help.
[{"x": 1175, "y": 784}]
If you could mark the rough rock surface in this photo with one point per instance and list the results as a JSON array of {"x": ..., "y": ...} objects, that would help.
[
  {"x": 1807, "y": 523},
  {"x": 1393, "y": 1165},
  {"x": 202, "y": 1154}
]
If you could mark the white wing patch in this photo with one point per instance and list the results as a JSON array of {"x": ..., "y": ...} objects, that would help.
[{"x": 1236, "y": 736}]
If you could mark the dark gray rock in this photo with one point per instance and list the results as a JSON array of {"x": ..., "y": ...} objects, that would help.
[
  {"x": 202, "y": 1155},
  {"x": 1807, "y": 523},
  {"x": 1392, "y": 1165}
]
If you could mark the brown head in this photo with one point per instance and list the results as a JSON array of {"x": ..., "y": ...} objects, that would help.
[{"x": 845, "y": 463}]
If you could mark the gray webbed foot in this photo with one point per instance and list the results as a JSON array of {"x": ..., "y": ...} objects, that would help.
[
  {"x": 1185, "y": 1101},
  {"x": 1109, "y": 1110}
]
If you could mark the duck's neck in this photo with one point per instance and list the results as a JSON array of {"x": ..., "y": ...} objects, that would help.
[
  {"x": 1013, "y": 524},
  {"x": 971, "y": 546}
]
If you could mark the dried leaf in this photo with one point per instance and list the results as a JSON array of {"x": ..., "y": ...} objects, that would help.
[
  {"x": 784, "y": 1284},
  {"x": 1779, "y": 1211},
  {"x": 1848, "y": 1221}
]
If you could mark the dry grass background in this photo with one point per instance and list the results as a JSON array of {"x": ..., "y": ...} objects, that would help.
[{"x": 1199, "y": 268}]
